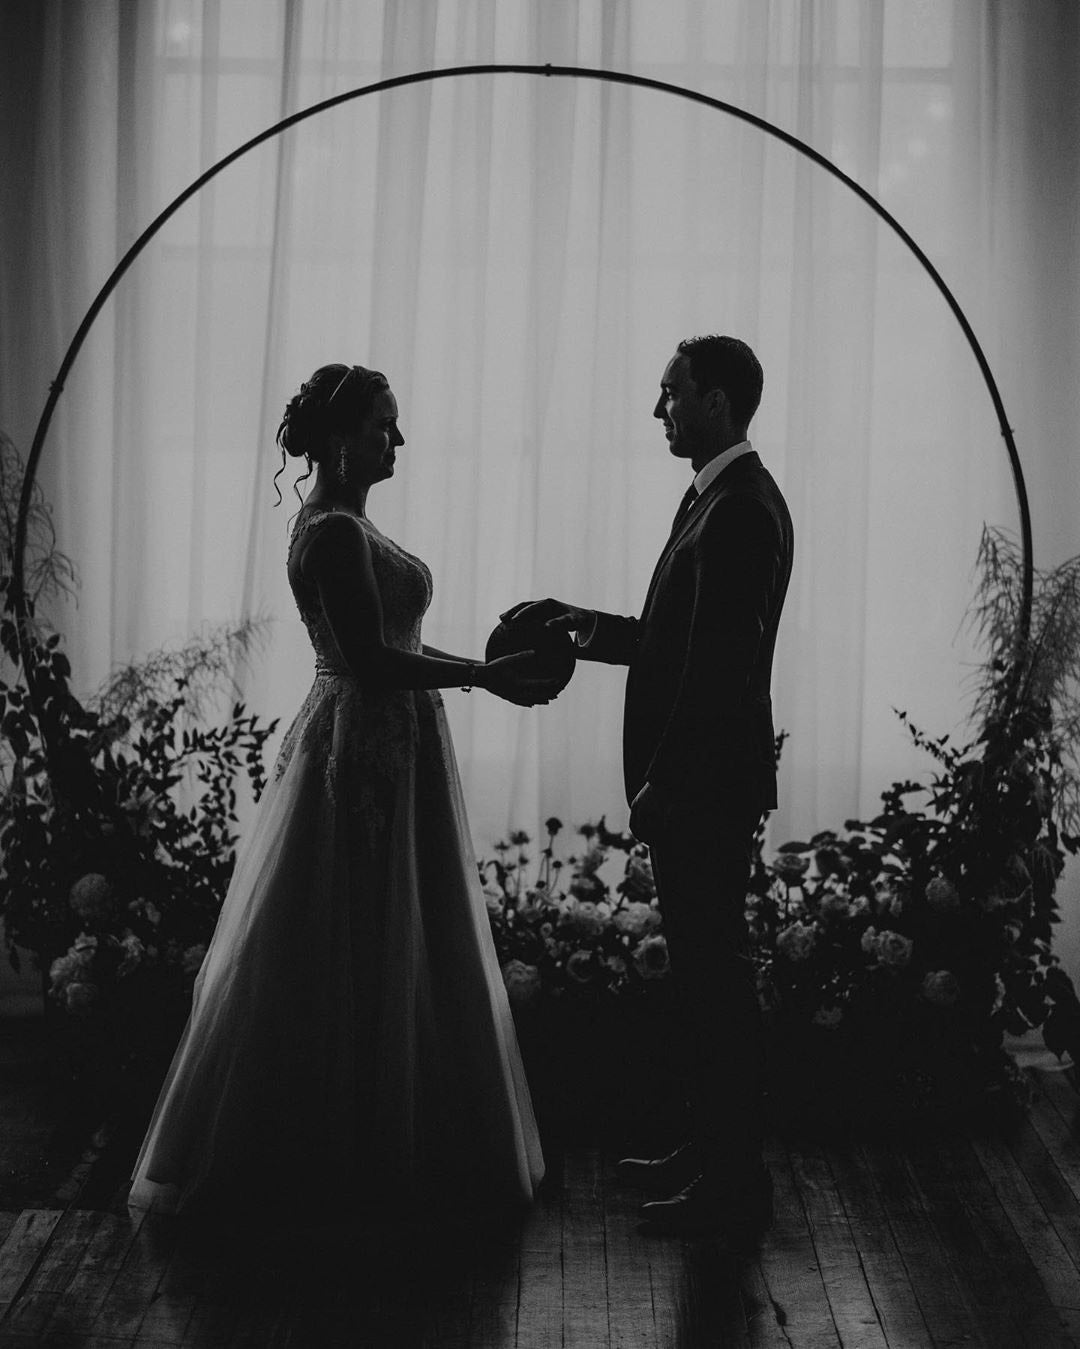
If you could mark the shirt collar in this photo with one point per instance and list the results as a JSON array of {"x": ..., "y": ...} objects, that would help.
[{"x": 716, "y": 466}]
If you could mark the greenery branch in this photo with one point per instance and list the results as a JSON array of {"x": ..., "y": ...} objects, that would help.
[{"x": 97, "y": 852}]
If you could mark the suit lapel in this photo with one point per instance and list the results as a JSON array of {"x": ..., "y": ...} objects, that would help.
[{"x": 720, "y": 486}]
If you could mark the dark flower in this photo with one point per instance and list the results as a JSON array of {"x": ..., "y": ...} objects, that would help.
[
  {"x": 651, "y": 958},
  {"x": 790, "y": 867},
  {"x": 588, "y": 887},
  {"x": 580, "y": 967},
  {"x": 828, "y": 863}
]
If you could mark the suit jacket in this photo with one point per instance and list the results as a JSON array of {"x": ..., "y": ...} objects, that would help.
[{"x": 698, "y": 720}]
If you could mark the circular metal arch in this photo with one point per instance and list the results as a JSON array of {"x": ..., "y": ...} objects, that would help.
[{"x": 455, "y": 72}]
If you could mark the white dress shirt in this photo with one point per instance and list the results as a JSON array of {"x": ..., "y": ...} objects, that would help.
[{"x": 716, "y": 466}]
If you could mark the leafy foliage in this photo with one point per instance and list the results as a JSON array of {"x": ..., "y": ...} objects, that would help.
[
  {"x": 1046, "y": 668},
  {"x": 100, "y": 857},
  {"x": 48, "y": 571}
]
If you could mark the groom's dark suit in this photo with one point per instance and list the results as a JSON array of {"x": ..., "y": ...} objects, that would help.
[{"x": 698, "y": 728}]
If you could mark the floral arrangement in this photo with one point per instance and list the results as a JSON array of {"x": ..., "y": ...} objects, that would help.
[
  {"x": 591, "y": 937},
  {"x": 586, "y": 968},
  {"x": 117, "y": 816}
]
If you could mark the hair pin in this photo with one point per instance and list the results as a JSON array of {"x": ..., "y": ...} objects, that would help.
[{"x": 352, "y": 370}]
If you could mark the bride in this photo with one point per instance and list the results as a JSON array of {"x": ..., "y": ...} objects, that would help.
[{"x": 350, "y": 1040}]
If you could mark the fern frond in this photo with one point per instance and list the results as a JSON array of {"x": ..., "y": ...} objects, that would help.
[{"x": 203, "y": 667}]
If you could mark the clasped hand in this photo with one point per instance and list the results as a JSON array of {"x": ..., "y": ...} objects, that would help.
[{"x": 506, "y": 678}]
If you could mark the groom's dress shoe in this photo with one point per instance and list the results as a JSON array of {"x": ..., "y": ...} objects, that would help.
[
  {"x": 661, "y": 1175},
  {"x": 739, "y": 1216}
]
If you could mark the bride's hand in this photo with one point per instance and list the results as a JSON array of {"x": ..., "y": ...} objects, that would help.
[{"x": 505, "y": 678}]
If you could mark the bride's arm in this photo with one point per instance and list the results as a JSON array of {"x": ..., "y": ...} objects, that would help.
[
  {"x": 338, "y": 562},
  {"x": 445, "y": 655}
]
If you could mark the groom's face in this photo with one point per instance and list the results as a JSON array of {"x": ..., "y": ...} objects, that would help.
[{"x": 682, "y": 410}]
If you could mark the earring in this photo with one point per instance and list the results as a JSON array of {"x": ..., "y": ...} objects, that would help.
[{"x": 343, "y": 467}]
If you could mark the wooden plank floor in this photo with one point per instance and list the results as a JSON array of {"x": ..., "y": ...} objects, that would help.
[{"x": 961, "y": 1240}]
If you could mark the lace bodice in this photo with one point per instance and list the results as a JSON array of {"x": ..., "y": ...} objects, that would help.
[
  {"x": 369, "y": 733},
  {"x": 404, "y": 588}
]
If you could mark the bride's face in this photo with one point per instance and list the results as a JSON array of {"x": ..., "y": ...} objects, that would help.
[{"x": 372, "y": 449}]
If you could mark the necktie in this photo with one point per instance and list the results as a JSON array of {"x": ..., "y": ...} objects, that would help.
[{"x": 684, "y": 505}]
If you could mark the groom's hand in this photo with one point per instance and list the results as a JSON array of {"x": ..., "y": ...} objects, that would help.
[
  {"x": 648, "y": 815},
  {"x": 552, "y": 613}
]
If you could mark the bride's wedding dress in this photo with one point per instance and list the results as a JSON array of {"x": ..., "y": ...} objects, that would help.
[{"x": 350, "y": 1039}]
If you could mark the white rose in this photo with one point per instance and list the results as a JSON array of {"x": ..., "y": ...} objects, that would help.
[
  {"x": 887, "y": 898},
  {"x": 651, "y": 959},
  {"x": 80, "y": 997},
  {"x": 579, "y": 966},
  {"x": 92, "y": 898},
  {"x": 522, "y": 982},
  {"x": 893, "y": 949},
  {"x": 796, "y": 941},
  {"x": 638, "y": 883},
  {"x": 586, "y": 917},
  {"x": 942, "y": 895},
  {"x": 193, "y": 958},
  {"x": 63, "y": 967},
  {"x": 133, "y": 954},
  {"x": 636, "y": 917},
  {"x": 834, "y": 905},
  {"x": 941, "y": 987}
]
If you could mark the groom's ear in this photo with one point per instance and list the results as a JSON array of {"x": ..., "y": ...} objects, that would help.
[{"x": 716, "y": 401}]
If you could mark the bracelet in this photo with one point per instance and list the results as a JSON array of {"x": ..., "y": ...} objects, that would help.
[{"x": 471, "y": 666}]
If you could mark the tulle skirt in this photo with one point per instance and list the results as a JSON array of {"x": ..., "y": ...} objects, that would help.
[{"x": 350, "y": 1040}]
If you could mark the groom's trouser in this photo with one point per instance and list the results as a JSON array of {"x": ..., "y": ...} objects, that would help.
[{"x": 701, "y": 864}]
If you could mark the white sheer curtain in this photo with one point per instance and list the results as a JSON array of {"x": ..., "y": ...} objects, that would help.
[{"x": 520, "y": 256}]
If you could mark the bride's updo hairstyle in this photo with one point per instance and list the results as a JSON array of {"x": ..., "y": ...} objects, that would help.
[{"x": 335, "y": 400}]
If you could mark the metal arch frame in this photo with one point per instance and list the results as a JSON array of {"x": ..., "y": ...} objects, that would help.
[{"x": 454, "y": 72}]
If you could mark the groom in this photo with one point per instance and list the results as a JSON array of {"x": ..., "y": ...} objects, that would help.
[{"x": 700, "y": 769}]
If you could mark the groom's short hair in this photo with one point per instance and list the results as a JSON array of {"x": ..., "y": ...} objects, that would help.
[{"x": 726, "y": 363}]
